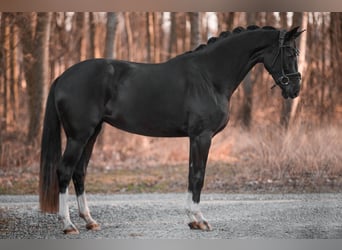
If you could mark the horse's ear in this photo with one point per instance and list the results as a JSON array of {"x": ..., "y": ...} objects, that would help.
[{"x": 293, "y": 34}]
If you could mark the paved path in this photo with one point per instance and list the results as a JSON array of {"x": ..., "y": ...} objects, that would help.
[{"x": 154, "y": 216}]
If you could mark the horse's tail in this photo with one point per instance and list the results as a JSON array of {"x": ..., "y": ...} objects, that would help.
[{"x": 50, "y": 156}]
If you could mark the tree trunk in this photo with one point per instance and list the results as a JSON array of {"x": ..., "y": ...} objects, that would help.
[
  {"x": 181, "y": 33},
  {"x": 225, "y": 21},
  {"x": 129, "y": 35},
  {"x": 247, "y": 86},
  {"x": 2, "y": 67},
  {"x": 283, "y": 20},
  {"x": 4, "y": 36},
  {"x": 303, "y": 23},
  {"x": 110, "y": 34},
  {"x": 195, "y": 39},
  {"x": 230, "y": 20},
  {"x": 173, "y": 36},
  {"x": 14, "y": 71},
  {"x": 289, "y": 106},
  {"x": 157, "y": 36},
  {"x": 336, "y": 56},
  {"x": 9, "y": 70},
  {"x": 91, "y": 37},
  {"x": 270, "y": 19},
  {"x": 78, "y": 36},
  {"x": 36, "y": 55},
  {"x": 150, "y": 46}
]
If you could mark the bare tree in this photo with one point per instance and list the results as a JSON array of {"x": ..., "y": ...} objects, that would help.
[
  {"x": 181, "y": 33},
  {"x": 150, "y": 46},
  {"x": 153, "y": 31},
  {"x": 247, "y": 86},
  {"x": 173, "y": 36},
  {"x": 157, "y": 36},
  {"x": 14, "y": 69},
  {"x": 4, "y": 48},
  {"x": 335, "y": 33},
  {"x": 9, "y": 69},
  {"x": 129, "y": 35},
  {"x": 110, "y": 34},
  {"x": 78, "y": 31},
  {"x": 35, "y": 33},
  {"x": 226, "y": 20},
  {"x": 2, "y": 69},
  {"x": 91, "y": 36},
  {"x": 302, "y": 22},
  {"x": 195, "y": 38}
]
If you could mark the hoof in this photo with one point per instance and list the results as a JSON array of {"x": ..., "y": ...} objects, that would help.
[
  {"x": 202, "y": 225},
  {"x": 93, "y": 226},
  {"x": 71, "y": 230}
]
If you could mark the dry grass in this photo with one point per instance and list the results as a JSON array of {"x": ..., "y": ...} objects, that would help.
[
  {"x": 268, "y": 159},
  {"x": 302, "y": 157}
]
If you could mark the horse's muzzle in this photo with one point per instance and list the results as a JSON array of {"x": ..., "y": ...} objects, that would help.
[{"x": 292, "y": 90}]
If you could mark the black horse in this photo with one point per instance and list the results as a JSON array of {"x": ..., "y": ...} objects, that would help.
[{"x": 187, "y": 96}]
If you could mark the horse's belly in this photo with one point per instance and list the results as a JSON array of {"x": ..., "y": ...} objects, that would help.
[
  {"x": 148, "y": 130},
  {"x": 149, "y": 124}
]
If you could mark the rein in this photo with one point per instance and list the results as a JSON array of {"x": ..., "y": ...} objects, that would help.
[{"x": 284, "y": 79}]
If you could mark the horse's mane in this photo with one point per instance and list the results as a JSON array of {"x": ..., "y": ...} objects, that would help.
[{"x": 226, "y": 34}]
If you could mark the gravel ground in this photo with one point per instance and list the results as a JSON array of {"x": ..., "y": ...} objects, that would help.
[{"x": 161, "y": 216}]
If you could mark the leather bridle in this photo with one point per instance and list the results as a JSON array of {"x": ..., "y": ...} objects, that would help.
[{"x": 284, "y": 78}]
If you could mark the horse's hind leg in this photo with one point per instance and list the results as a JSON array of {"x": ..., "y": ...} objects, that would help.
[
  {"x": 79, "y": 179},
  {"x": 72, "y": 154}
]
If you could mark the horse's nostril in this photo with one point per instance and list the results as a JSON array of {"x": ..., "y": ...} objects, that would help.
[{"x": 295, "y": 93}]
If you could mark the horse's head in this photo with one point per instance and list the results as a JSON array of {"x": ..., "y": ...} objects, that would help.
[{"x": 281, "y": 63}]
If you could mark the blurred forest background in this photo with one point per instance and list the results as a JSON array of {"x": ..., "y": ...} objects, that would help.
[{"x": 269, "y": 143}]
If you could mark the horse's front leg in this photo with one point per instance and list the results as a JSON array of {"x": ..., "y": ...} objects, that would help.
[{"x": 199, "y": 149}]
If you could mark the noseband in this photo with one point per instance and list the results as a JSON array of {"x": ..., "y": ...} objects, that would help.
[{"x": 284, "y": 78}]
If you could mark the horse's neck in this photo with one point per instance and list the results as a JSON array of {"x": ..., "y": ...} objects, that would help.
[{"x": 231, "y": 61}]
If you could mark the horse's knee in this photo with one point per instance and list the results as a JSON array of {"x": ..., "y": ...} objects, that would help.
[
  {"x": 64, "y": 177},
  {"x": 78, "y": 179}
]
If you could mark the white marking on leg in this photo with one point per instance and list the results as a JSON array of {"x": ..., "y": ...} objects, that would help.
[
  {"x": 188, "y": 207},
  {"x": 193, "y": 209},
  {"x": 63, "y": 212},
  {"x": 83, "y": 208},
  {"x": 83, "y": 205},
  {"x": 85, "y": 213}
]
